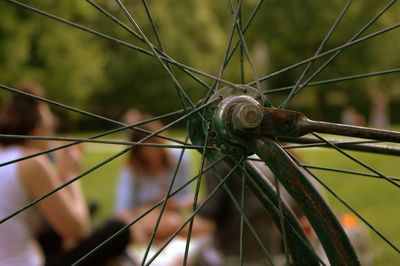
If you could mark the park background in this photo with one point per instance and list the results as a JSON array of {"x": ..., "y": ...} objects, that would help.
[{"x": 81, "y": 70}]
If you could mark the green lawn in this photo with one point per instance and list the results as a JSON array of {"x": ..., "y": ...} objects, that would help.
[{"x": 376, "y": 200}]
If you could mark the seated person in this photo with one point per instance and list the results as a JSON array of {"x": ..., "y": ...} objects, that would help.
[
  {"x": 65, "y": 211},
  {"x": 145, "y": 179}
]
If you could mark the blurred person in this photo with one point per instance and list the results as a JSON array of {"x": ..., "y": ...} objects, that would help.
[
  {"x": 65, "y": 211},
  {"x": 145, "y": 179},
  {"x": 132, "y": 116},
  {"x": 351, "y": 116}
]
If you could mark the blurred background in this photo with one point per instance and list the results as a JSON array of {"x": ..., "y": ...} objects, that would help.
[
  {"x": 80, "y": 69},
  {"x": 84, "y": 71}
]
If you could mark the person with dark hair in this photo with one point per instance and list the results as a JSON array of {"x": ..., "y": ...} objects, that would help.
[
  {"x": 145, "y": 179},
  {"x": 65, "y": 211}
]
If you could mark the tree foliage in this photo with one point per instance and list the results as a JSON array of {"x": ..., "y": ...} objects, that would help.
[{"x": 100, "y": 76}]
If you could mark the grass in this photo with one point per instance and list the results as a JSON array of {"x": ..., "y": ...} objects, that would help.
[{"x": 376, "y": 200}]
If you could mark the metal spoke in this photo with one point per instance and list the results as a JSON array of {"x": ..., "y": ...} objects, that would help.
[
  {"x": 275, "y": 210},
  {"x": 76, "y": 110},
  {"x": 241, "y": 52},
  {"x": 127, "y": 28},
  {"x": 340, "y": 51},
  {"x": 245, "y": 28},
  {"x": 101, "y": 141},
  {"x": 156, "y": 205},
  {"x": 94, "y": 137},
  {"x": 242, "y": 200},
  {"x": 225, "y": 59},
  {"x": 153, "y": 25},
  {"x": 356, "y": 160},
  {"x": 227, "y": 55},
  {"x": 241, "y": 259},
  {"x": 209, "y": 196},
  {"x": 244, "y": 217},
  {"x": 153, "y": 234},
  {"x": 334, "y": 50},
  {"x": 282, "y": 224},
  {"x": 316, "y": 143},
  {"x": 64, "y": 106},
  {"x": 359, "y": 145},
  {"x": 246, "y": 51},
  {"x": 350, "y": 172},
  {"x": 182, "y": 94},
  {"x": 321, "y": 46},
  {"x": 196, "y": 196},
  {"x": 352, "y": 40},
  {"x": 336, "y": 80},
  {"x": 354, "y": 211},
  {"x": 34, "y": 202}
]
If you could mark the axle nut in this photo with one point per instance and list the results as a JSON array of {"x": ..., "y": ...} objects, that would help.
[{"x": 247, "y": 116}]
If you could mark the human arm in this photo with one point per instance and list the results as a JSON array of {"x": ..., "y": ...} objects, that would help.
[{"x": 64, "y": 210}]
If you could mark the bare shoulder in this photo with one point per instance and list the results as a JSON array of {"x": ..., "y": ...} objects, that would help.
[{"x": 35, "y": 169}]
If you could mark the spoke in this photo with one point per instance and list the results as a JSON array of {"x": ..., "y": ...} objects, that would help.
[
  {"x": 241, "y": 54},
  {"x": 153, "y": 25},
  {"x": 182, "y": 94},
  {"x": 316, "y": 143},
  {"x": 156, "y": 205},
  {"x": 164, "y": 204},
  {"x": 241, "y": 218},
  {"x": 196, "y": 196},
  {"x": 64, "y": 106},
  {"x": 76, "y": 110},
  {"x": 34, "y": 202},
  {"x": 275, "y": 210},
  {"x": 336, "y": 80},
  {"x": 124, "y": 26},
  {"x": 120, "y": 42},
  {"x": 100, "y": 141},
  {"x": 242, "y": 200},
  {"x": 337, "y": 170},
  {"x": 249, "y": 21},
  {"x": 247, "y": 53},
  {"x": 209, "y": 196},
  {"x": 227, "y": 55},
  {"x": 225, "y": 59},
  {"x": 94, "y": 137},
  {"x": 282, "y": 224},
  {"x": 361, "y": 145},
  {"x": 354, "y": 211},
  {"x": 356, "y": 160},
  {"x": 322, "y": 45},
  {"x": 244, "y": 216},
  {"x": 353, "y": 39},
  {"x": 336, "y": 50},
  {"x": 358, "y": 145}
]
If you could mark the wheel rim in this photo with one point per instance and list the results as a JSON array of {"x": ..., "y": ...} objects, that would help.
[{"x": 189, "y": 107}]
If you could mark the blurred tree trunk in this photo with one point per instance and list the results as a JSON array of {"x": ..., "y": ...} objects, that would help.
[
  {"x": 379, "y": 109},
  {"x": 321, "y": 106}
]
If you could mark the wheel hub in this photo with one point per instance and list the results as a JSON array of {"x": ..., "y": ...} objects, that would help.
[{"x": 232, "y": 112}]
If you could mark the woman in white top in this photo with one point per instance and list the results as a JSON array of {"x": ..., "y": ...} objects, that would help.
[{"x": 20, "y": 183}]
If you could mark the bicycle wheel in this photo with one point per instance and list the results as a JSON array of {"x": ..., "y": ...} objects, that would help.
[{"x": 234, "y": 120}]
